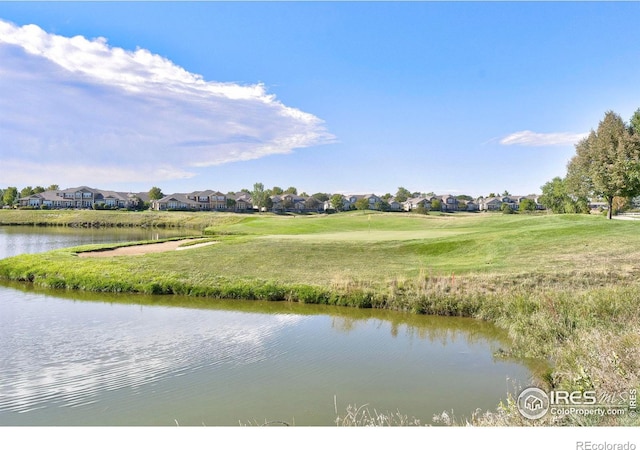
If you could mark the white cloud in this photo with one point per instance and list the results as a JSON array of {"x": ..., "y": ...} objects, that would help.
[
  {"x": 92, "y": 113},
  {"x": 532, "y": 139}
]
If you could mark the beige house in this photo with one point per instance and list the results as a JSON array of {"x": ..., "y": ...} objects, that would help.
[{"x": 83, "y": 197}]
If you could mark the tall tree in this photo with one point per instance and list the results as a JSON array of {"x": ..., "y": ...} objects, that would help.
[
  {"x": 634, "y": 123},
  {"x": 607, "y": 162},
  {"x": 337, "y": 202},
  {"x": 155, "y": 193},
  {"x": 554, "y": 195},
  {"x": 403, "y": 194},
  {"x": 362, "y": 204},
  {"x": 321, "y": 196},
  {"x": 53, "y": 187},
  {"x": 258, "y": 195},
  {"x": 291, "y": 190},
  {"x": 10, "y": 195},
  {"x": 526, "y": 204},
  {"x": 26, "y": 191}
]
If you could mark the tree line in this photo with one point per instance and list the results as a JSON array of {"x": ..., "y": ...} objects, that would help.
[{"x": 606, "y": 167}]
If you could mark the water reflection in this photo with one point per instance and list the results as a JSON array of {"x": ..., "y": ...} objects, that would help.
[
  {"x": 343, "y": 319},
  {"x": 15, "y": 240},
  {"x": 81, "y": 352},
  {"x": 65, "y": 354}
]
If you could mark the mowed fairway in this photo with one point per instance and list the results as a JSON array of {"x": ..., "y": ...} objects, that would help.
[
  {"x": 378, "y": 246},
  {"x": 370, "y": 247}
]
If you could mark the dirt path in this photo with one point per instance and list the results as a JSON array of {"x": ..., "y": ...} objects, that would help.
[{"x": 143, "y": 249}]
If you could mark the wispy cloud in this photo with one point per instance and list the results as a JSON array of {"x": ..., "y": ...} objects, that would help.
[
  {"x": 532, "y": 139},
  {"x": 92, "y": 112}
]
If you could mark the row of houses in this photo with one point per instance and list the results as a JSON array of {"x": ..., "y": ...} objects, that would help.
[
  {"x": 85, "y": 197},
  {"x": 204, "y": 201},
  {"x": 513, "y": 201},
  {"x": 450, "y": 203}
]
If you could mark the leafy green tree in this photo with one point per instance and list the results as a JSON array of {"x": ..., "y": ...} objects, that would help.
[
  {"x": 231, "y": 203},
  {"x": 436, "y": 205},
  {"x": 382, "y": 206},
  {"x": 26, "y": 191},
  {"x": 1, "y": 195},
  {"x": 554, "y": 195},
  {"x": 276, "y": 190},
  {"x": 402, "y": 195},
  {"x": 259, "y": 196},
  {"x": 634, "y": 123},
  {"x": 291, "y": 190},
  {"x": 506, "y": 209},
  {"x": 155, "y": 193},
  {"x": 38, "y": 189},
  {"x": 582, "y": 205},
  {"x": 362, "y": 204},
  {"x": 607, "y": 162},
  {"x": 10, "y": 195},
  {"x": 527, "y": 204},
  {"x": 53, "y": 187},
  {"x": 337, "y": 202},
  {"x": 321, "y": 196}
]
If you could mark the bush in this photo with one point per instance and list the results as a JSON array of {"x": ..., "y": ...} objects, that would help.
[{"x": 506, "y": 209}]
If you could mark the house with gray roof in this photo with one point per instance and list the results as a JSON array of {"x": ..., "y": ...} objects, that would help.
[{"x": 83, "y": 197}]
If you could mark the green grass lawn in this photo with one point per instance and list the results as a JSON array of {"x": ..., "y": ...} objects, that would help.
[
  {"x": 383, "y": 246},
  {"x": 377, "y": 248}
]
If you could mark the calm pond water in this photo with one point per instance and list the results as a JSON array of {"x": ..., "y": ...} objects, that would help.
[{"x": 89, "y": 359}]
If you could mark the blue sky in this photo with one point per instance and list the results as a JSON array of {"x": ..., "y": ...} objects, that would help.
[{"x": 356, "y": 97}]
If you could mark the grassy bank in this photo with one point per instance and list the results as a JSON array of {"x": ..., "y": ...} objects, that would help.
[
  {"x": 564, "y": 287},
  {"x": 119, "y": 219}
]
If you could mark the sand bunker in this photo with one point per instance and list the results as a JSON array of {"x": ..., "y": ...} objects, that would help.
[{"x": 144, "y": 249}]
